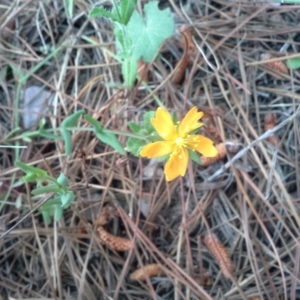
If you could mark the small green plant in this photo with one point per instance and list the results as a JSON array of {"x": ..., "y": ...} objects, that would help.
[
  {"x": 137, "y": 37},
  {"x": 45, "y": 184}
]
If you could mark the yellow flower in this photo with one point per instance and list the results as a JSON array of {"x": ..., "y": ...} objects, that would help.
[{"x": 177, "y": 141}]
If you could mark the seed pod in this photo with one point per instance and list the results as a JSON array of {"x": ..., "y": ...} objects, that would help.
[
  {"x": 206, "y": 161},
  {"x": 145, "y": 272},
  {"x": 269, "y": 123},
  {"x": 113, "y": 242},
  {"x": 220, "y": 254},
  {"x": 107, "y": 212},
  {"x": 275, "y": 65}
]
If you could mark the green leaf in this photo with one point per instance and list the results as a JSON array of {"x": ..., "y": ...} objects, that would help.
[
  {"x": 127, "y": 8},
  {"x": 102, "y": 12},
  {"x": 69, "y": 122},
  {"x": 47, "y": 189},
  {"x": 69, "y": 5},
  {"x": 147, "y": 121},
  {"x": 135, "y": 145},
  {"x": 111, "y": 140},
  {"x": 148, "y": 35},
  {"x": 66, "y": 199},
  {"x": 63, "y": 180},
  {"x": 96, "y": 124},
  {"x": 46, "y": 216},
  {"x": 103, "y": 135},
  {"x": 58, "y": 212},
  {"x": 293, "y": 63},
  {"x": 194, "y": 156},
  {"x": 129, "y": 71},
  {"x": 32, "y": 173},
  {"x": 136, "y": 128}
]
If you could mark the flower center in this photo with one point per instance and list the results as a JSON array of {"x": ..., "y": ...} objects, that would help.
[{"x": 179, "y": 141}]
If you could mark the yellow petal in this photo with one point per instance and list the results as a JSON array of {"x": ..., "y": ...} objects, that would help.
[
  {"x": 190, "y": 122},
  {"x": 201, "y": 144},
  {"x": 164, "y": 125},
  {"x": 177, "y": 164},
  {"x": 157, "y": 149}
]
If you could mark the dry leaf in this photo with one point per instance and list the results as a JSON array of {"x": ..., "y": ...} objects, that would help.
[
  {"x": 220, "y": 254},
  {"x": 187, "y": 44},
  {"x": 113, "y": 242},
  {"x": 145, "y": 272},
  {"x": 206, "y": 161},
  {"x": 143, "y": 70},
  {"x": 275, "y": 65}
]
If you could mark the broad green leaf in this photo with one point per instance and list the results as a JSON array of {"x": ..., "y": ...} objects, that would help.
[
  {"x": 134, "y": 145},
  {"x": 102, "y": 12},
  {"x": 129, "y": 71},
  {"x": 147, "y": 121},
  {"x": 148, "y": 35},
  {"x": 111, "y": 140},
  {"x": 293, "y": 63},
  {"x": 136, "y": 128},
  {"x": 69, "y": 122}
]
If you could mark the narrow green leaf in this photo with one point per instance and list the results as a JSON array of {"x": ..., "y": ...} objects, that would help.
[
  {"x": 102, "y": 12},
  {"x": 111, "y": 140},
  {"x": 293, "y": 63},
  {"x": 69, "y": 122},
  {"x": 46, "y": 189},
  {"x": 69, "y": 5},
  {"x": 58, "y": 212},
  {"x": 96, "y": 124},
  {"x": 127, "y": 8},
  {"x": 46, "y": 216},
  {"x": 31, "y": 170},
  {"x": 194, "y": 156},
  {"x": 129, "y": 71}
]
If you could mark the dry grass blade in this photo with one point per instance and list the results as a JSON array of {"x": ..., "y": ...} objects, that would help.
[{"x": 145, "y": 272}]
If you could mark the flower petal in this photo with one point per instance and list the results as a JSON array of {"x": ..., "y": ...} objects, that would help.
[
  {"x": 202, "y": 144},
  {"x": 164, "y": 125},
  {"x": 157, "y": 149},
  {"x": 190, "y": 122},
  {"x": 177, "y": 164}
]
